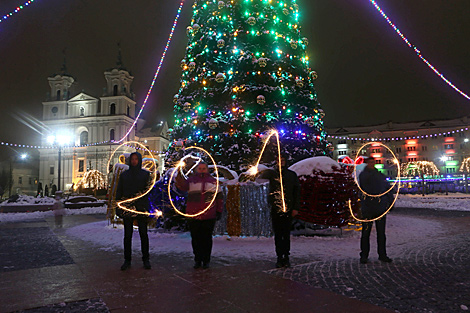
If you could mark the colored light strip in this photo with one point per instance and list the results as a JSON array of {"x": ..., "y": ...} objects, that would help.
[
  {"x": 400, "y": 138},
  {"x": 15, "y": 11},
  {"x": 418, "y": 52},
  {"x": 175, "y": 22}
]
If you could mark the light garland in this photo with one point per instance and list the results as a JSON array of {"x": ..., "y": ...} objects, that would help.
[
  {"x": 15, "y": 11},
  {"x": 418, "y": 52},
  {"x": 182, "y": 164},
  {"x": 419, "y": 168},
  {"x": 400, "y": 138},
  {"x": 154, "y": 180},
  {"x": 175, "y": 22},
  {"x": 379, "y": 195},
  {"x": 254, "y": 170},
  {"x": 465, "y": 167}
]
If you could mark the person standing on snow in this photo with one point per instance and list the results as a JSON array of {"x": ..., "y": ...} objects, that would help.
[
  {"x": 282, "y": 221},
  {"x": 373, "y": 182},
  {"x": 201, "y": 187},
  {"x": 131, "y": 183}
]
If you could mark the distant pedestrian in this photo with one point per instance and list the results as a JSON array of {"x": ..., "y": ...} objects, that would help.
[
  {"x": 58, "y": 208},
  {"x": 46, "y": 191},
  {"x": 282, "y": 221},
  {"x": 374, "y": 183},
  {"x": 201, "y": 188},
  {"x": 131, "y": 183}
]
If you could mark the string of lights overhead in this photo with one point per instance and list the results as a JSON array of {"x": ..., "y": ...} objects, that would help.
[
  {"x": 417, "y": 51},
  {"x": 15, "y": 11},
  {"x": 170, "y": 37},
  {"x": 400, "y": 138}
]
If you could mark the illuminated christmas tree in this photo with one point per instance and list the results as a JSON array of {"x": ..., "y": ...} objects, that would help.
[{"x": 246, "y": 71}]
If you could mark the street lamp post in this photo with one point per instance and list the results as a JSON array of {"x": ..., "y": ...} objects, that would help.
[
  {"x": 60, "y": 141},
  {"x": 59, "y": 169}
]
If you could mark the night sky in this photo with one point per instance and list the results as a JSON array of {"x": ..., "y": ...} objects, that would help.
[{"x": 367, "y": 74}]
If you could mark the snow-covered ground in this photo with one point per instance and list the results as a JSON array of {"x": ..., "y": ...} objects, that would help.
[
  {"x": 18, "y": 217},
  {"x": 401, "y": 231},
  {"x": 454, "y": 201}
]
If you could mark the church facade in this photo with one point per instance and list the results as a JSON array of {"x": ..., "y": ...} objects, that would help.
[{"x": 82, "y": 129}]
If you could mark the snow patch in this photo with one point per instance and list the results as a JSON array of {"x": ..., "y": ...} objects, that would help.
[{"x": 321, "y": 163}]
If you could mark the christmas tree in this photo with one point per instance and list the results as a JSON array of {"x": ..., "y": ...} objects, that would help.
[{"x": 246, "y": 71}]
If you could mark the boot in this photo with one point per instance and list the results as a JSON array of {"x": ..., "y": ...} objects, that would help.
[
  {"x": 125, "y": 265},
  {"x": 197, "y": 265},
  {"x": 285, "y": 261},
  {"x": 279, "y": 262},
  {"x": 147, "y": 265}
]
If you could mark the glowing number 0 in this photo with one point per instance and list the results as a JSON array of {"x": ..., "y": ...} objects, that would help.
[
  {"x": 178, "y": 167},
  {"x": 379, "y": 195}
]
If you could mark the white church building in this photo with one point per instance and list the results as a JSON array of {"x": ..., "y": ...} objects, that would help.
[{"x": 91, "y": 124}]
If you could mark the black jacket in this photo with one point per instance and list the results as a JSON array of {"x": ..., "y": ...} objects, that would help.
[
  {"x": 373, "y": 182},
  {"x": 132, "y": 182},
  {"x": 291, "y": 191}
]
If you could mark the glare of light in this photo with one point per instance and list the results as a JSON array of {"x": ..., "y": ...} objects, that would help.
[
  {"x": 24, "y": 156},
  {"x": 465, "y": 140},
  {"x": 443, "y": 158},
  {"x": 253, "y": 171}
]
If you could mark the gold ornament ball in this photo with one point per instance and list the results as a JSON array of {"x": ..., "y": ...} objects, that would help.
[
  {"x": 175, "y": 99},
  {"x": 285, "y": 11},
  {"x": 261, "y": 99},
  {"x": 305, "y": 41},
  {"x": 221, "y": 5},
  {"x": 220, "y": 78},
  {"x": 313, "y": 75},
  {"x": 296, "y": 6},
  {"x": 213, "y": 123},
  {"x": 263, "y": 62},
  {"x": 186, "y": 107},
  {"x": 189, "y": 30},
  {"x": 293, "y": 44},
  {"x": 220, "y": 43},
  {"x": 196, "y": 28},
  {"x": 169, "y": 132},
  {"x": 299, "y": 82},
  {"x": 251, "y": 21},
  {"x": 183, "y": 63},
  {"x": 192, "y": 66},
  {"x": 310, "y": 122},
  {"x": 322, "y": 113},
  {"x": 178, "y": 145}
]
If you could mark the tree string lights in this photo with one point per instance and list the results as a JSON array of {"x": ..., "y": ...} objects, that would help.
[
  {"x": 15, "y": 11},
  {"x": 418, "y": 52},
  {"x": 419, "y": 168},
  {"x": 175, "y": 22},
  {"x": 465, "y": 167}
]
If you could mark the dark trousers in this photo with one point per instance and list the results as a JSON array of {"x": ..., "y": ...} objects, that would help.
[
  {"x": 144, "y": 238},
  {"x": 281, "y": 228},
  {"x": 365, "y": 239},
  {"x": 201, "y": 239}
]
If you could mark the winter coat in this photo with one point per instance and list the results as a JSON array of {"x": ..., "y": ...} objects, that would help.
[
  {"x": 132, "y": 182},
  {"x": 201, "y": 188},
  {"x": 291, "y": 191},
  {"x": 373, "y": 182}
]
